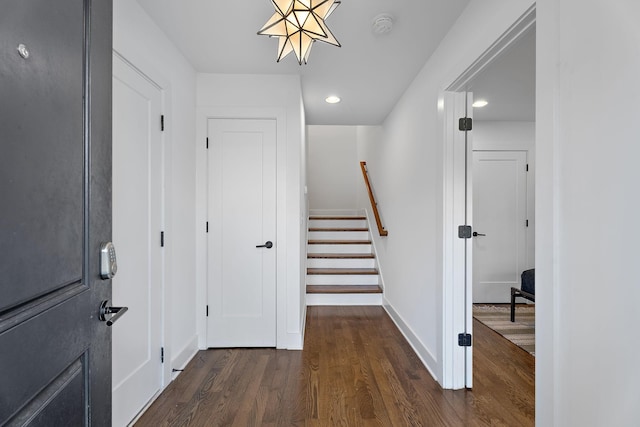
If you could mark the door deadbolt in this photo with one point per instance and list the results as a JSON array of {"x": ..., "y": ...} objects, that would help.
[{"x": 108, "y": 262}]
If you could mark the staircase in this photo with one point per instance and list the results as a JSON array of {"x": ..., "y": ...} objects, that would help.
[{"x": 341, "y": 265}]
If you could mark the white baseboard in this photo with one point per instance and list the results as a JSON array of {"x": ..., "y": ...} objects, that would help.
[
  {"x": 144, "y": 409},
  {"x": 344, "y": 299},
  {"x": 184, "y": 356},
  {"x": 421, "y": 351},
  {"x": 294, "y": 341},
  {"x": 181, "y": 360},
  {"x": 303, "y": 328}
]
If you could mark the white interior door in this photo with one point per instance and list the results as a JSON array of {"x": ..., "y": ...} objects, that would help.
[
  {"x": 242, "y": 216},
  {"x": 137, "y": 222},
  {"x": 499, "y": 212}
]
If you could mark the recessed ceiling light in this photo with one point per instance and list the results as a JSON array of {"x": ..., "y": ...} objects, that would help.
[
  {"x": 332, "y": 99},
  {"x": 480, "y": 103}
]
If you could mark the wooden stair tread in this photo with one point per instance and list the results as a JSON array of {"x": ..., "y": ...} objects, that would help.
[
  {"x": 339, "y": 242},
  {"x": 347, "y": 271},
  {"x": 344, "y": 289},
  {"x": 337, "y": 218},
  {"x": 341, "y": 256},
  {"x": 338, "y": 229}
]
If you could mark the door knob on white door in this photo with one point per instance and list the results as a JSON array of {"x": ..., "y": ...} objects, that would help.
[
  {"x": 268, "y": 244},
  {"x": 476, "y": 234}
]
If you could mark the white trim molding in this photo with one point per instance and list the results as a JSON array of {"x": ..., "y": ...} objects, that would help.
[{"x": 423, "y": 353}]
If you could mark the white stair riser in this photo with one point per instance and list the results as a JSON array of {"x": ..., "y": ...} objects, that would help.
[
  {"x": 342, "y": 279},
  {"x": 339, "y": 249},
  {"x": 338, "y": 235},
  {"x": 342, "y": 223},
  {"x": 341, "y": 263},
  {"x": 344, "y": 299}
]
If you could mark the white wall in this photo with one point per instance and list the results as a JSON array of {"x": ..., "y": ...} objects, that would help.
[
  {"x": 516, "y": 136},
  {"x": 369, "y": 140},
  {"x": 406, "y": 162},
  {"x": 141, "y": 42},
  {"x": 334, "y": 172},
  {"x": 499, "y": 135},
  {"x": 263, "y": 96},
  {"x": 588, "y": 207}
]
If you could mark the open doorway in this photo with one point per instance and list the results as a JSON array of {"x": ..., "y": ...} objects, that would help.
[
  {"x": 458, "y": 195},
  {"x": 502, "y": 190}
]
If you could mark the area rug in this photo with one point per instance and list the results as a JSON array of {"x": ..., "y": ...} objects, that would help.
[{"x": 521, "y": 332}]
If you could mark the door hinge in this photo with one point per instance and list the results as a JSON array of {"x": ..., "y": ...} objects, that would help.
[
  {"x": 465, "y": 124},
  {"x": 527, "y": 167},
  {"x": 464, "y": 231},
  {"x": 207, "y": 143},
  {"x": 162, "y": 123},
  {"x": 161, "y": 354},
  {"x": 464, "y": 340},
  {"x": 162, "y": 239},
  {"x": 526, "y": 223},
  {"x": 207, "y": 311}
]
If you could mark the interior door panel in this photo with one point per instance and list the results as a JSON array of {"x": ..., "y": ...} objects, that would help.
[{"x": 242, "y": 209}]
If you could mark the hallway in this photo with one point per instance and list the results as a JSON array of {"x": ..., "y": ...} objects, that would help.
[{"x": 356, "y": 369}]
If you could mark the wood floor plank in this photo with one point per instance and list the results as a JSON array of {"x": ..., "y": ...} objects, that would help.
[
  {"x": 246, "y": 414},
  {"x": 356, "y": 370}
]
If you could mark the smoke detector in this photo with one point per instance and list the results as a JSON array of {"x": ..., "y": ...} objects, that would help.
[{"x": 382, "y": 24}]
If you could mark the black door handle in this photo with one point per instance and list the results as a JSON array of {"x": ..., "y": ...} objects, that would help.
[
  {"x": 116, "y": 311},
  {"x": 476, "y": 234},
  {"x": 268, "y": 245}
]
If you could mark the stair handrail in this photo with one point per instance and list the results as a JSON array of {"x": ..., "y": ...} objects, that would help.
[{"x": 374, "y": 204}]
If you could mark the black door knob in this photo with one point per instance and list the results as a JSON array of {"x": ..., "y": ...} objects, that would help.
[
  {"x": 268, "y": 244},
  {"x": 476, "y": 234}
]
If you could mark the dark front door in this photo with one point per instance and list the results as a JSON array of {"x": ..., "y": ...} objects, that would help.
[{"x": 55, "y": 211}]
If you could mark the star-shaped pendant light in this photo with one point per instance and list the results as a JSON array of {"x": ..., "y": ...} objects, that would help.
[{"x": 298, "y": 24}]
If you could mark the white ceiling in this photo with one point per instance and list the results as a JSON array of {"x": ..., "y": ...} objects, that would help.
[
  {"x": 508, "y": 84},
  {"x": 368, "y": 72}
]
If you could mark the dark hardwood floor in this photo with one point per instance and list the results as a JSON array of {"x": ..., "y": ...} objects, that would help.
[{"x": 356, "y": 370}]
